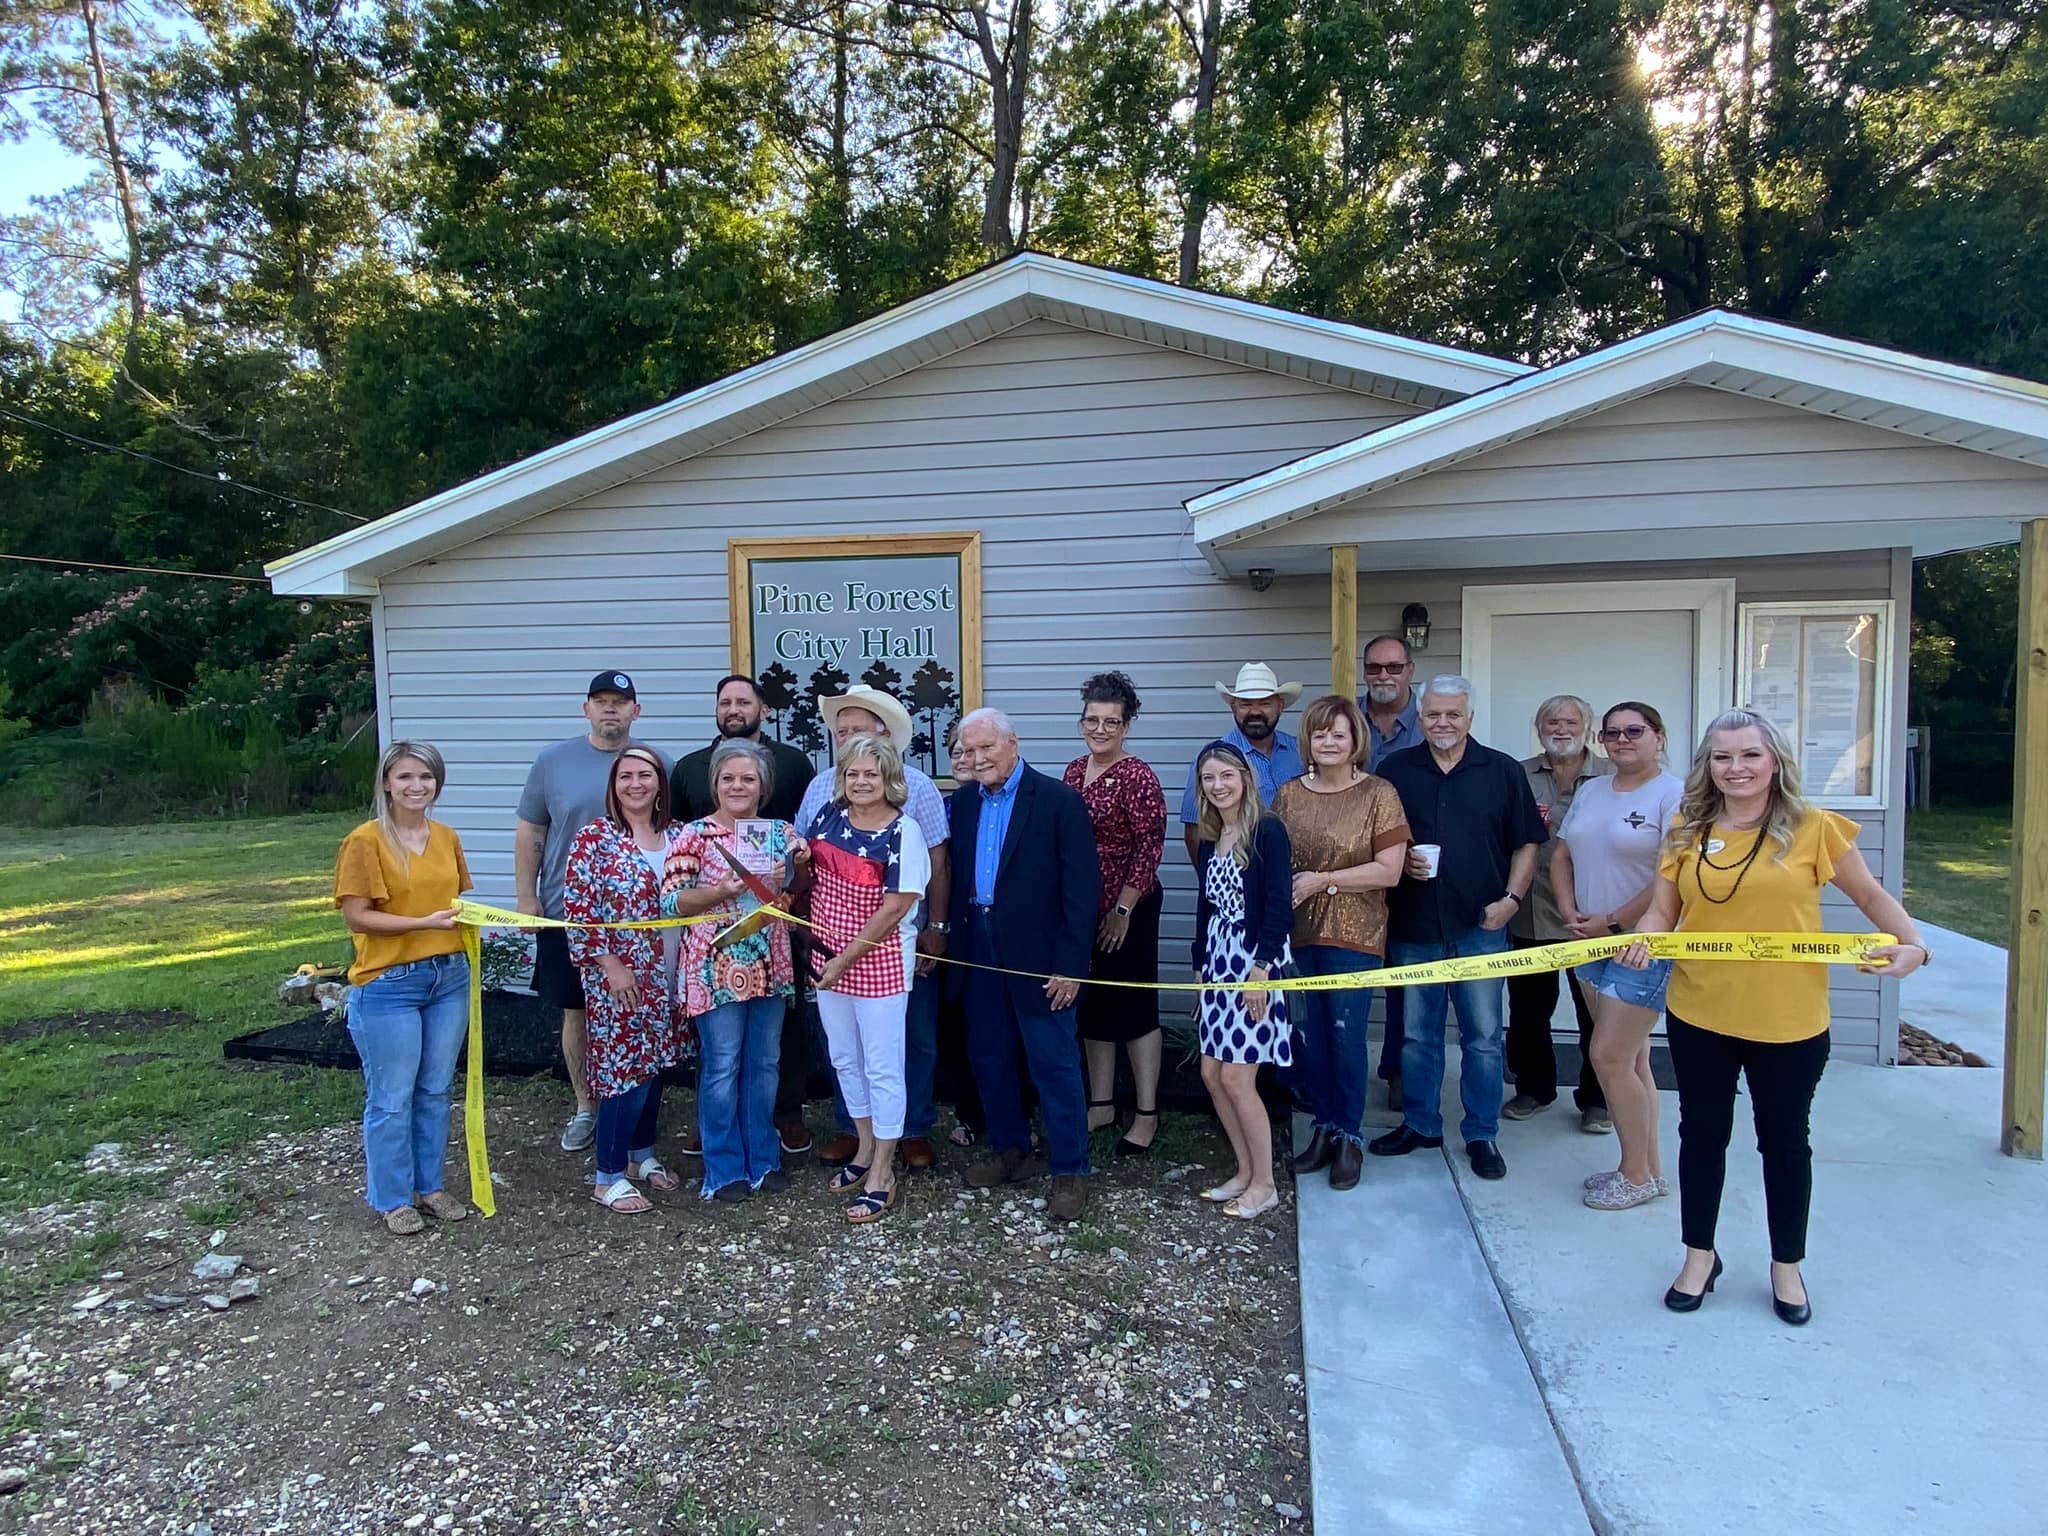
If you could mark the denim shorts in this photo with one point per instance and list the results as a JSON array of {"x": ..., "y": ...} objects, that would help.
[{"x": 1643, "y": 989}]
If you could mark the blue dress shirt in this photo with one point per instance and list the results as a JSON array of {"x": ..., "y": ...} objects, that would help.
[
  {"x": 1271, "y": 770},
  {"x": 1407, "y": 731},
  {"x": 997, "y": 805}
]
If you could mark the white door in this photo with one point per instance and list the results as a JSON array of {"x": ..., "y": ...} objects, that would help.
[
  {"x": 1669, "y": 644},
  {"x": 1603, "y": 657}
]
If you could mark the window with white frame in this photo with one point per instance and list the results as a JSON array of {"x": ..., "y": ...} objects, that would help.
[{"x": 1820, "y": 672}]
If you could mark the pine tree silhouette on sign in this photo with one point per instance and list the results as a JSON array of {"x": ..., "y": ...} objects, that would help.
[
  {"x": 884, "y": 678},
  {"x": 931, "y": 694},
  {"x": 806, "y": 730},
  {"x": 828, "y": 682},
  {"x": 778, "y": 687}
]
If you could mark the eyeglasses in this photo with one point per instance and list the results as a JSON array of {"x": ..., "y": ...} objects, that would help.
[
  {"x": 1385, "y": 668},
  {"x": 1625, "y": 733},
  {"x": 1101, "y": 725}
]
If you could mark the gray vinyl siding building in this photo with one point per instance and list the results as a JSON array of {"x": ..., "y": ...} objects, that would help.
[{"x": 1164, "y": 482}]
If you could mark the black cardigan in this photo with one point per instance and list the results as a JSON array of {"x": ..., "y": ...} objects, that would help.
[{"x": 1268, "y": 894}]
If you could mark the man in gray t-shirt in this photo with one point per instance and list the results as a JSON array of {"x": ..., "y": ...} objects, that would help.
[{"x": 564, "y": 793}]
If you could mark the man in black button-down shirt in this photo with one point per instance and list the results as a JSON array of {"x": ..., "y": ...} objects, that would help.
[{"x": 1474, "y": 804}]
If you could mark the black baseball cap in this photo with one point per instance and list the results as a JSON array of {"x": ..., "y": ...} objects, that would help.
[{"x": 612, "y": 682}]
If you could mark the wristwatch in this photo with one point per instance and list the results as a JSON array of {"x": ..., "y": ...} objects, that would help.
[
  {"x": 1330, "y": 889},
  {"x": 1511, "y": 896},
  {"x": 1615, "y": 928},
  {"x": 1121, "y": 910},
  {"x": 941, "y": 929}
]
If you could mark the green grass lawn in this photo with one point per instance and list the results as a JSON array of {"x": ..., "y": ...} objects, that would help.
[
  {"x": 196, "y": 921},
  {"x": 1959, "y": 869}
]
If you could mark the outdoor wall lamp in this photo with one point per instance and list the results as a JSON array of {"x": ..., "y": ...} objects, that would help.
[
  {"x": 1261, "y": 577},
  {"x": 1415, "y": 626}
]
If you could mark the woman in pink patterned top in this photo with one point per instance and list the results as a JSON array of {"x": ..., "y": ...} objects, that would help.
[
  {"x": 735, "y": 991},
  {"x": 1128, "y": 810}
]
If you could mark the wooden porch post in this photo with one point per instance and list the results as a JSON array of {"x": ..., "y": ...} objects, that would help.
[
  {"x": 2026, "y": 965},
  {"x": 1344, "y": 619}
]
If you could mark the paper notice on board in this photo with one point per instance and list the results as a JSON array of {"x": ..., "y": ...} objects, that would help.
[
  {"x": 1837, "y": 697},
  {"x": 1774, "y": 672}
]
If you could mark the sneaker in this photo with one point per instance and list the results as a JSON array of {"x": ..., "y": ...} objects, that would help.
[
  {"x": 1620, "y": 1195},
  {"x": 1523, "y": 1106},
  {"x": 1594, "y": 1122},
  {"x": 580, "y": 1132},
  {"x": 1595, "y": 1180},
  {"x": 796, "y": 1136},
  {"x": 694, "y": 1147}
]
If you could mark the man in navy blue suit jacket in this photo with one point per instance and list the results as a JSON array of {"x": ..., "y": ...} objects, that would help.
[{"x": 1025, "y": 889}]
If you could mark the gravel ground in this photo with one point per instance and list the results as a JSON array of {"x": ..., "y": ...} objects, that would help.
[{"x": 963, "y": 1366}]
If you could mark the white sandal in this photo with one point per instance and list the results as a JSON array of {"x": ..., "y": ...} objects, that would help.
[
  {"x": 655, "y": 1175},
  {"x": 615, "y": 1197}
]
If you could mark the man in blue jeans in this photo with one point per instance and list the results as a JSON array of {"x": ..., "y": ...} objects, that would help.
[{"x": 1476, "y": 831}]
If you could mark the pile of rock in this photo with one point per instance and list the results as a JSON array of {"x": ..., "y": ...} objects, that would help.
[{"x": 1917, "y": 1048}]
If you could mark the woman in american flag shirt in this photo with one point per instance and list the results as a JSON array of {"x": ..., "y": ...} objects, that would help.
[{"x": 869, "y": 863}]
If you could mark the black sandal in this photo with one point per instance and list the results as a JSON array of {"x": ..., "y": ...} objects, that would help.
[
  {"x": 848, "y": 1176},
  {"x": 872, "y": 1205},
  {"x": 1129, "y": 1148}
]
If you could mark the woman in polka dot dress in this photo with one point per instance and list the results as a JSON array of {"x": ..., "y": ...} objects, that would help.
[{"x": 1243, "y": 916}]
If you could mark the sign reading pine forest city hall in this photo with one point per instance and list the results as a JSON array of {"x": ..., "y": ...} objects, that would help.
[{"x": 902, "y": 614}]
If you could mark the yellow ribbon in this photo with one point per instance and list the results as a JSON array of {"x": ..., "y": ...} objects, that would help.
[{"x": 1777, "y": 948}]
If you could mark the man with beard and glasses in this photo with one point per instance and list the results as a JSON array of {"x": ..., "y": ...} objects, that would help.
[
  {"x": 737, "y": 711},
  {"x": 1257, "y": 700},
  {"x": 565, "y": 791},
  {"x": 1564, "y": 724},
  {"x": 1392, "y": 724}
]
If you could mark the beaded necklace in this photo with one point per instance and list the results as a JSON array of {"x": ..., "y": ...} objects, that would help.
[{"x": 1741, "y": 868}]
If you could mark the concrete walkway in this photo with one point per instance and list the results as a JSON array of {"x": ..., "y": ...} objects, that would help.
[
  {"x": 1912, "y": 1402},
  {"x": 1961, "y": 997}
]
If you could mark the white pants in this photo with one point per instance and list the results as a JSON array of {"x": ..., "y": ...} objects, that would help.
[{"x": 865, "y": 1036}]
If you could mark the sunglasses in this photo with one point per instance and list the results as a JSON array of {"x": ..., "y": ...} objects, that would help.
[
  {"x": 1625, "y": 733},
  {"x": 1384, "y": 668}
]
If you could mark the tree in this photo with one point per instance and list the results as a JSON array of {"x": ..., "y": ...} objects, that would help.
[
  {"x": 882, "y": 677},
  {"x": 931, "y": 694},
  {"x": 806, "y": 732},
  {"x": 827, "y": 682},
  {"x": 778, "y": 687}
]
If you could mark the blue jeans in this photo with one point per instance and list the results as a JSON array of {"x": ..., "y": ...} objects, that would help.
[
  {"x": 408, "y": 1025},
  {"x": 741, "y": 1046},
  {"x": 1479, "y": 1005},
  {"x": 626, "y": 1124},
  {"x": 1329, "y": 1043},
  {"x": 920, "y": 1062}
]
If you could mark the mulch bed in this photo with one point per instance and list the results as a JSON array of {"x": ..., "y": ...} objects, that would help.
[{"x": 963, "y": 1366}]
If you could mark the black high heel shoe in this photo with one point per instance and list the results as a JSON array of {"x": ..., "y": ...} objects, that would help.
[
  {"x": 1094, "y": 1105},
  {"x": 1797, "y": 1313},
  {"x": 1126, "y": 1147},
  {"x": 1689, "y": 1301}
]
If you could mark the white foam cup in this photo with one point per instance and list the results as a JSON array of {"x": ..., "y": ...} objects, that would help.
[{"x": 1429, "y": 853}]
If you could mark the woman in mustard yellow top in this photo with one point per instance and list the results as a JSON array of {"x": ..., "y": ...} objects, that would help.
[
  {"x": 1746, "y": 854},
  {"x": 396, "y": 881}
]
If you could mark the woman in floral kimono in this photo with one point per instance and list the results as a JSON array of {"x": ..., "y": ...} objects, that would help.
[{"x": 636, "y": 1027}]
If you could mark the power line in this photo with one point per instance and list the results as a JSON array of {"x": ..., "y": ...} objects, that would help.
[
  {"x": 140, "y": 570},
  {"x": 216, "y": 478}
]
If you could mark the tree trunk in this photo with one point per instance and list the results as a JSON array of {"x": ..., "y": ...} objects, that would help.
[
  {"x": 1196, "y": 212},
  {"x": 1009, "y": 79},
  {"x": 117, "y": 163}
]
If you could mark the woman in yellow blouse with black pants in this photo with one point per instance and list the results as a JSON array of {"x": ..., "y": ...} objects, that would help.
[{"x": 1747, "y": 855}]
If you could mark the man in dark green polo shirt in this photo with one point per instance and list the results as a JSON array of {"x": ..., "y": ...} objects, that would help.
[{"x": 738, "y": 713}]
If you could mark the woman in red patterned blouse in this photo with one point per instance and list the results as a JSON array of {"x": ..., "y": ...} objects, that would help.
[{"x": 1128, "y": 809}]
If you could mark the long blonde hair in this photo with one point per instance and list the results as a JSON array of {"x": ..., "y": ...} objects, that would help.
[
  {"x": 1249, "y": 810},
  {"x": 1703, "y": 803},
  {"x": 380, "y": 798}
]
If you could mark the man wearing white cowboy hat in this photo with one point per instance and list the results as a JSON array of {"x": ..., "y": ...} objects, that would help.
[
  {"x": 865, "y": 711},
  {"x": 1257, "y": 700}
]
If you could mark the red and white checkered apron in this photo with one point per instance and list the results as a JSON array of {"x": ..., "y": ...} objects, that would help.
[{"x": 848, "y": 890}]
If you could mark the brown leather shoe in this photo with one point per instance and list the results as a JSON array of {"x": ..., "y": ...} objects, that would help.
[
  {"x": 796, "y": 1136},
  {"x": 1346, "y": 1165},
  {"x": 1318, "y": 1154},
  {"x": 996, "y": 1168},
  {"x": 839, "y": 1150},
  {"x": 917, "y": 1152},
  {"x": 1069, "y": 1196}
]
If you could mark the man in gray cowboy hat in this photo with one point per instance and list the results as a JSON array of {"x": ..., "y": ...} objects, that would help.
[
  {"x": 865, "y": 711},
  {"x": 1257, "y": 700}
]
